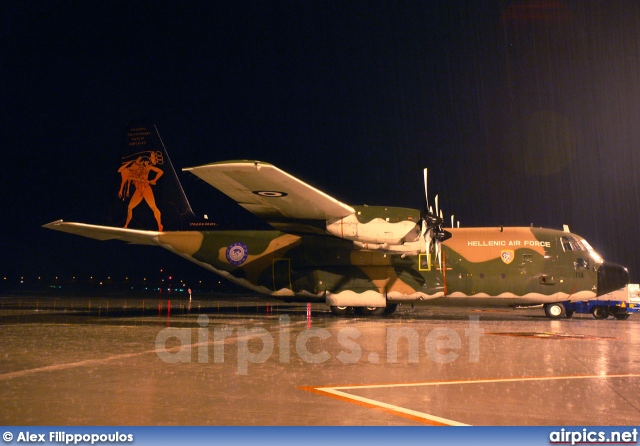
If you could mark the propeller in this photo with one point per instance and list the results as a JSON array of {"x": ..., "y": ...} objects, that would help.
[{"x": 432, "y": 224}]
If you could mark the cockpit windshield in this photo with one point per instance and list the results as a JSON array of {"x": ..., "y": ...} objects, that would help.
[
  {"x": 594, "y": 255},
  {"x": 573, "y": 243}
]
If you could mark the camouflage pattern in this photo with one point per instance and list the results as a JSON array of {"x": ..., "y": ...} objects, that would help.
[
  {"x": 369, "y": 258},
  {"x": 496, "y": 266}
]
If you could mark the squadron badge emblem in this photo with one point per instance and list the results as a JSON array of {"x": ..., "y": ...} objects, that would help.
[
  {"x": 237, "y": 253},
  {"x": 507, "y": 256}
]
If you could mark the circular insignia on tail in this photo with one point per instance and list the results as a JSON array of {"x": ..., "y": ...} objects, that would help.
[{"x": 237, "y": 253}]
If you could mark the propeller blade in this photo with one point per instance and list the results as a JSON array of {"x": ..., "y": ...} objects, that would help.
[
  {"x": 426, "y": 192},
  {"x": 427, "y": 241},
  {"x": 431, "y": 227}
]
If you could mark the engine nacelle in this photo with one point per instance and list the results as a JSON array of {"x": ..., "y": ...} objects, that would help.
[{"x": 377, "y": 231}]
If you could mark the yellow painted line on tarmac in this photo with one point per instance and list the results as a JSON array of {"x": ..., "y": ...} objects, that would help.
[
  {"x": 339, "y": 392},
  {"x": 413, "y": 415}
]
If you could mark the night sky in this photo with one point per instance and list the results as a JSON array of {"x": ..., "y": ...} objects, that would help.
[{"x": 524, "y": 112}]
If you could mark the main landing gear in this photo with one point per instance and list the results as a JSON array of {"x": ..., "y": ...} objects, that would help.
[
  {"x": 555, "y": 311},
  {"x": 363, "y": 311}
]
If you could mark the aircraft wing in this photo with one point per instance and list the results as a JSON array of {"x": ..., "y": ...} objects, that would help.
[
  {"x": 133, "y": 236},
  {"x": 279, "y": 198}
]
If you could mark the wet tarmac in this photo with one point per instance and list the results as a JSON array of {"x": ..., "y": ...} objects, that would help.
[{"x": 145, "y": 360}]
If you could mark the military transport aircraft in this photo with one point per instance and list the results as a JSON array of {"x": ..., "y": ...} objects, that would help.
[{"x": 358, "y": 259}]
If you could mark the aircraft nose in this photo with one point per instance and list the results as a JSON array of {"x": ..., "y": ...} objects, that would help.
[{"x": 611, "y": 277}]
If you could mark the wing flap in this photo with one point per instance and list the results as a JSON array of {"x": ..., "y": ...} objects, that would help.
[
  {"x": 102, "y": 233},
  {"x": 269, "y": 192}
]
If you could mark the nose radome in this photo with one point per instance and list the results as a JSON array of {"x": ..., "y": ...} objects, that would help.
[{"x": 611, "y": 277}]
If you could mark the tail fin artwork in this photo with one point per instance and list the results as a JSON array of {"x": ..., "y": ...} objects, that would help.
[
  {"x": 147, "y": 192},
  {"x": 148, "y": 199}
]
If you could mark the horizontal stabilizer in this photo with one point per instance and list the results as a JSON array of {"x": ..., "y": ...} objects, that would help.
[{"x": 133, "y": 236}]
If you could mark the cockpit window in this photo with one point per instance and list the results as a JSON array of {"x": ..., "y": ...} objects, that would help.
[
  {"x": 571, "y": 243},
  {"x": 581, "y": 263},
  {"x": 594, "y": 255}
]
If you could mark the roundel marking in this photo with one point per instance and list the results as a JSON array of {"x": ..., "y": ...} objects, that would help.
[
  {"x": 270, "y": 193},
  {"x": 237, "y": 253}
]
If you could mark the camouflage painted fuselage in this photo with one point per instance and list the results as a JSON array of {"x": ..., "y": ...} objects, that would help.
[{"x": 497, "y": 266}]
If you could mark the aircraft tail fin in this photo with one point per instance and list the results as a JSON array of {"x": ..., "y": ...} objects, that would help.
[{"x": 147, "y": 192}]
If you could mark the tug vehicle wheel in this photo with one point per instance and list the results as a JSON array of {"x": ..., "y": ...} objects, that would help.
[{"x": 600, "y": 312}]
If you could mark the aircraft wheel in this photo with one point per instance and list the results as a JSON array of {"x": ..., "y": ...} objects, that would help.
[
  {"x": 341, "y": 311},
  {"x": 622, "y": 316},
  {"x": 391, "y": 308},
  {"x": 371, "y": 311},
  {"x": 600, "y": 312},
  {"x": 555, "y": 310}
]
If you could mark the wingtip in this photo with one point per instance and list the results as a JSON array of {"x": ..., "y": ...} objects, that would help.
[{"x": 53, "y": 223}]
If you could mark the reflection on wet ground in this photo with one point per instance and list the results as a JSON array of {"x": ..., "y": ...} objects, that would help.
[{"x": 235, "y": 360}]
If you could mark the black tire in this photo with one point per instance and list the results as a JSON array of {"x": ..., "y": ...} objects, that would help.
[
  {"x": 555, "y": 310},
  {"x": 341, "y": 311},
  {"x": 622, "y": 316},
  {"x": 391, "y": 308},
  {"x": 600, "y": 312},
  {"x": 370, "y": 311},
  {"x": 569, "y": 313}
]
